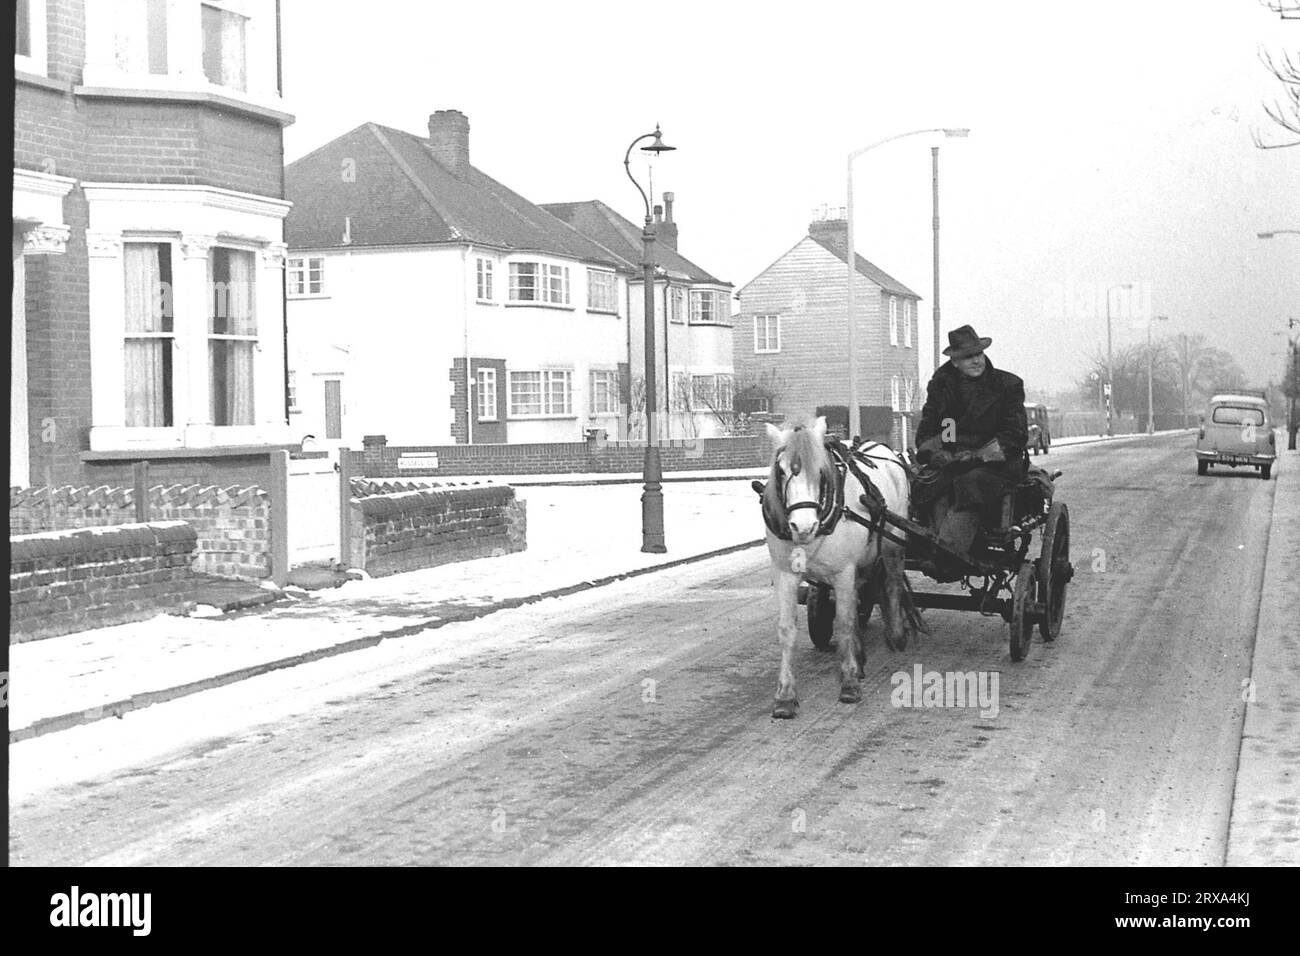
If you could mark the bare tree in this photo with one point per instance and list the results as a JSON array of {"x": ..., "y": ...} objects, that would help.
[
  {"x": 1284, "y": 112},
  {"x": 636, "y": 429}
]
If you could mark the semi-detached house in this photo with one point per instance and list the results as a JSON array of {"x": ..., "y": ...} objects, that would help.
[{"x": 431, "y": 304}]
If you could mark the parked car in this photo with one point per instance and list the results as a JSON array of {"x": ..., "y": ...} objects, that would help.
[
  {"x": 1040, "y": 430},
  {"x": 1236, "y": 430}
]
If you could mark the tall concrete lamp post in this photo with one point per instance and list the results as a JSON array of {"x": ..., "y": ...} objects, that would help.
[
  {"x": 855, "y": 422},
  {"x": 652, "y": 497},
  {"x": 1110, "y": 378}
]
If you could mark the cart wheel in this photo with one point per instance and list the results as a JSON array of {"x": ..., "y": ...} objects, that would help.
[
  {"x": 821, "y": 615},
  {"x": 1202, "y": 467},
  {"x": 1054, "y": 570},
  {"x": 1022, "y": 622}
]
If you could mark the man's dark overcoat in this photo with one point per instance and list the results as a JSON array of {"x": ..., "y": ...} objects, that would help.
[{"x": 995, "y": 409}]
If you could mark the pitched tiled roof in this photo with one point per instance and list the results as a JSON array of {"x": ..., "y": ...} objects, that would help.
[
  {"x": 873, "y": 272},
  {"x": 602, "y": 224},
  {"x": 384, "y": 186}
]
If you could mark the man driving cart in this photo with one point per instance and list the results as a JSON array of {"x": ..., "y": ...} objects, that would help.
[{"x": 972, "y": 437}]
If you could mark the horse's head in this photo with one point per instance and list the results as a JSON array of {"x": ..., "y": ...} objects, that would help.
[{"x": 802, "y": 473}]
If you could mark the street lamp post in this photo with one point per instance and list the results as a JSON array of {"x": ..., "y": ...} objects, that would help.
[
  {"x": 1110, "y": 378},
  {"x": 1151, "y": 426},
  {"x": 855, "y": 418},
  {"x": 652, "y": 497}
]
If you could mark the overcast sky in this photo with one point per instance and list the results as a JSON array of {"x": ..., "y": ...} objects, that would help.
[{"x": 1110, "y": 143}]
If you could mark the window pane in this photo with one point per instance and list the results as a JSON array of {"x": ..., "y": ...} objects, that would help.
[
  {"x": 223, "y": 47},
  {"x": 523, "y": 281},
  {"x": 525, "y": 393},
  {"x": 231, "y": 311},
  {"x": 231, "y": 389}
]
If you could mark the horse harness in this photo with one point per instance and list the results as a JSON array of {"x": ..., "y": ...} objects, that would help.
[{"x": 830, "y": 500}]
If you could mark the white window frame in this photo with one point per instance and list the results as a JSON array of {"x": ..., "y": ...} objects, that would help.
[
  {"x": 610, "y": 391},
  {"x": 680, "y": 398},
  {"x": 38, "y": 60},
  {"x": 719, "y": 308},
  {"x": 485, "y": 381},
  {"x": 909, "y": 313},
  {"x": 677, "y": 304},
  {"x": 299, "y": 277},
  {"x": 893, "y": 320},
  {"x": 169, "y": 337},
  {"x": 768, "y": 319},
  {"x": 602, "y": 281},
  {"x": 547, "y": 276},
  {"x": 704, "y": 391},
  {"x": 483, "y": 280},
  {"x": 546, "y": 378}
]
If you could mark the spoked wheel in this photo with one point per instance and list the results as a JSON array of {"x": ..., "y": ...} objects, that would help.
[
  {"x": 1022, "y": 619},
  {"x": 1054, "y": 570},
  {"x": 821, "y": 614}
]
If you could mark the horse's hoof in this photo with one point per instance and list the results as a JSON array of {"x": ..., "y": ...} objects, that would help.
[
  {"x": 850, "y": 694},
  {"x": 896, "y": 643},
  {"x": 785, "y": 709}
]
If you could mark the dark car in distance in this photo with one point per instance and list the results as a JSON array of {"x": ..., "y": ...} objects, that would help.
[{"x": 1040, "y": 429}]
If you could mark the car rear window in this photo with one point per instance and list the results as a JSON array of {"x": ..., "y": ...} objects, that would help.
[{"x": 1236, "y": 415}]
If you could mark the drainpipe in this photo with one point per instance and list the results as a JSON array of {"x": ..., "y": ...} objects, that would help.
[
  {"x": 627, "y": 312},
  {"x": 464, "y": 315}
]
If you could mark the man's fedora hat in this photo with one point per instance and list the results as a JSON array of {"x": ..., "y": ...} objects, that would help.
[{"x": 965, "y": 342}]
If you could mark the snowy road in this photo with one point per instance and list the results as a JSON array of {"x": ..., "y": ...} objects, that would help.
[{"x": 629, "y": 724}]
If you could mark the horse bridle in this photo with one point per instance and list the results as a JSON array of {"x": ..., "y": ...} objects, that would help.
[{"x": 830, "y": 507}]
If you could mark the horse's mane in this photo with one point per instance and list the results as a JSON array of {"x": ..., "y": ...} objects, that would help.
[{"x": 803, "y": 451}]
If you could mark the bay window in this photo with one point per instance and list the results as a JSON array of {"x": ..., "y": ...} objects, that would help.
[
  {"x": 709, "y": 307},
  {"x": 539, "y": 282}
]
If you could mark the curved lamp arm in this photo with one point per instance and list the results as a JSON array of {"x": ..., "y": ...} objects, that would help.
[
  {"x": 947, "y": 131},
  {"x": 627, "y": 166}
]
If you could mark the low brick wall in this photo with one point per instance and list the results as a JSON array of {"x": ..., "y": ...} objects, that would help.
[
  {"x": 407, "y": 530},
  {"x": 233, "y": 524},
  {"x": 66, "y": 581},
  {"x": 599, "y": 457}
]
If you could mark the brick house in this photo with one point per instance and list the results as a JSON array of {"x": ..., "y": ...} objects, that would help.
[
  {"x": 692, "y": 322},
  {"x": 433, "y": 305},
  {"x": 148, "y": 306},
  {"x": 791, "y": 357}
]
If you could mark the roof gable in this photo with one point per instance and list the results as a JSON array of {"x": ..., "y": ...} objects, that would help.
[{"x": 871, "y": 271}]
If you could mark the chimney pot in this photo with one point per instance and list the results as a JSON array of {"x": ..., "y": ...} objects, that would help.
[
  {"x": 668, "y": 206},
  {"x": 449, "y": 139}
]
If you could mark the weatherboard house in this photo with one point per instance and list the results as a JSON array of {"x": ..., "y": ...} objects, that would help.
[{"x": 791, "y": 351}]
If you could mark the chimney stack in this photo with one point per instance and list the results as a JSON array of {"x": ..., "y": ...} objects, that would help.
[
  {"x": 668, "y": 228},
  {"x": 830, "y": 224},
  {"x": 449, "y": 139}
]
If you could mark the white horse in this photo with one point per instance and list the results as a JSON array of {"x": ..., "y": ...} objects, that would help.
[{"x": 799, "y": 500}]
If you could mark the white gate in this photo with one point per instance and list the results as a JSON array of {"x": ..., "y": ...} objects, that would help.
[{"x": 313, "y": 501}]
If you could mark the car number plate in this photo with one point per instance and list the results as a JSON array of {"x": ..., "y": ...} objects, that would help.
[{"x": 1235, "y": 459}]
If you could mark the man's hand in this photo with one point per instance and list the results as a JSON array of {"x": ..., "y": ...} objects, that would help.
[{"x": 941, "y": 458}]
